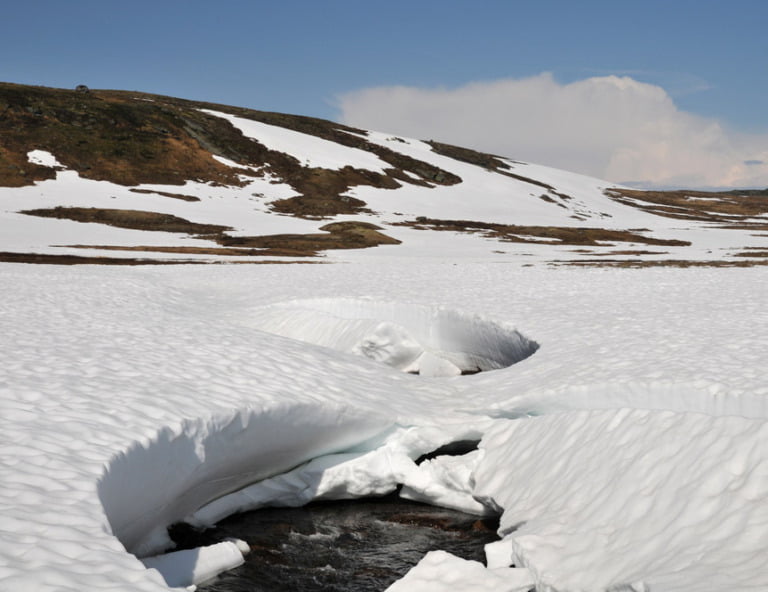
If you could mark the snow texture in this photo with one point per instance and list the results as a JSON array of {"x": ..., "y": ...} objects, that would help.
[
  {"x": 643, "y": 501},
  {"x": 439, "y": 571},
  {"x": 182, "y": 569},
  {"x": 428, "y": 341},
  {"x": 628, "y": 452}
]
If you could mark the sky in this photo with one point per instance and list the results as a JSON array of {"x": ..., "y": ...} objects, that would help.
[{"x": 653, "y": 93}]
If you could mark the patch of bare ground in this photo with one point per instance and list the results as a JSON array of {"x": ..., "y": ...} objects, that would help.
[
  {"x": 131, "y": 219},
  {"x": 165, "y": 194},
  {"x": 339, "y": 235},
  {"x": 730, "y": 209},
  {"x": 628, "y": 252},
  {"x": 660, "y": 263},
  {"x": 215, "y": 251},
  {"x": 551, "y": 235},
  {"x": 752, "y": 252},
  {"x": 49, "y": 259}
]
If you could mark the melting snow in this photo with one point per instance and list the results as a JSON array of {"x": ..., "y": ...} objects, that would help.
[{"x": 133, "y": 398}]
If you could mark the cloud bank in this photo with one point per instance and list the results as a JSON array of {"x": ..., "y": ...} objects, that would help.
[{"x": 610, "y": 127}]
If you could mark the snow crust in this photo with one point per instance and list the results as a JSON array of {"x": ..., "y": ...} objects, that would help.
[
  {"x": 629, "y": 451},
  {"x": 566, "y": 515}
]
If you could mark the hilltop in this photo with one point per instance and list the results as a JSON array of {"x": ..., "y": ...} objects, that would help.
[{"x": 127, "y": 177}]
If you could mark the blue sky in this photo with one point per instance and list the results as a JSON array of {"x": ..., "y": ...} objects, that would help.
[{"x": 301, "y": 57}]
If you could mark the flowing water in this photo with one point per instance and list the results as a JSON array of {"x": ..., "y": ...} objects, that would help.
[{"x": 352, "y": 546}]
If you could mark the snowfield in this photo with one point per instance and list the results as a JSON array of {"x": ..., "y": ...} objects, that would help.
[
  {"x": 627, "y": 449},
  {"x": 622, "y": 414}
]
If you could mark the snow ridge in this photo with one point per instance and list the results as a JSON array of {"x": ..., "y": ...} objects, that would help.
[{"x": 431, "y": 341}]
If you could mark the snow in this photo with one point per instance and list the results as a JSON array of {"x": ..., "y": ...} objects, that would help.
[
  {"x": 313, "y": 151},
  {"x": 43, "y": 157},
  {"x": 442, "y": 572},
  {"x": 183, "y": 569},
  {"x": 556, "y": 489},
  {"x": 629, "y": 449},
  {"x": 429, "y": 341}
]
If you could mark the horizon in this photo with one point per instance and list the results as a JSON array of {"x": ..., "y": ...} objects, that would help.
[{"x": 673, "y": 100}]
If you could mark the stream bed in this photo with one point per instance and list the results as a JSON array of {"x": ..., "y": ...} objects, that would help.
[{"x": 350, "y": 545}]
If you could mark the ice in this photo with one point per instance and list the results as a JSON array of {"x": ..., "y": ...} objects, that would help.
[
  {"x": 446, "y": 481},
  {"x": 375, "y": 469}
]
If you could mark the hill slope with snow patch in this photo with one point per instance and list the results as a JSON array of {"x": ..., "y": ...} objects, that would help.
[{"x": 122, "y": 177}]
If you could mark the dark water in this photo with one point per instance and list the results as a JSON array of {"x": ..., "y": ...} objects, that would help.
[{"x": 360, "y": 546}]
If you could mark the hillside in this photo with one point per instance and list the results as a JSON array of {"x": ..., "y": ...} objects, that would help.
[{"x": 126, "y": 177}]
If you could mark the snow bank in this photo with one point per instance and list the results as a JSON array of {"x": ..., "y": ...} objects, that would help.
[
  {"x": 431, "y": 341},
  {"x": 600, "y": 500},
  {"x": 374, "y": 468},
  {"x": 439, "y": 571},
  {"x": 212, "y": 457},
  {"x": 197, "y": 566}
]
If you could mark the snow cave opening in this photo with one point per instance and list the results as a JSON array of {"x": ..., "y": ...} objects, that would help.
[{"x": 426, "y": 340}]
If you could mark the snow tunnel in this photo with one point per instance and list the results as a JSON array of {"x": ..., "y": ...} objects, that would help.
[
  {"x": 418, "y": 339},
  {"x": 279, "y": 454}
]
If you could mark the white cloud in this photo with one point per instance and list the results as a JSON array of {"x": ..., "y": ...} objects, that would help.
[{"x": 614, "y": 128}]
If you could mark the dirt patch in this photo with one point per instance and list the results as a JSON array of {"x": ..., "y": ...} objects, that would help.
[
  {"x": 6, "y": 257},
  {"x": 733, "y": 209},
  {"x": 660, "y": 263},
  {"x": 165, "y": 194},
  {"x": 339, "y": 235},
  {"x": 551, "y": 235},
  {"x": 215, "y": 251},
  {"x": 489, "y": 162},
  {"x": 131, "y": 219},
  {"x": 752, "y": 253}
]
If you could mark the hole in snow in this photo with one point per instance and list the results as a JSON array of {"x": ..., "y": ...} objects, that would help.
[
  {"x": 458, "y": 448},
  {"x": 431, "y": 341},
  {"x": 360, "y": 545}
]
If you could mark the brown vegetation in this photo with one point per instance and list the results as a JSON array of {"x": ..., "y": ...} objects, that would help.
[
  {"x": 558, "y": 235},
  {"x": 165, "y": 194},
  {"x": 731, "y": 209},
  {"x": 130, "y": 138},
  {"x": 132, "y": 219}
]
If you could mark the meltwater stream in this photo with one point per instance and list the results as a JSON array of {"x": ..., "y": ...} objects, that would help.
[{"x": 351, "y": 545}]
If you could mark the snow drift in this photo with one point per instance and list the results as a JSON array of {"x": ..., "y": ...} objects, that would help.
[
  {"x": 214, "y": 456},
  {"x": 631, "y": 499},
  {"x": 431, "y": 341}
]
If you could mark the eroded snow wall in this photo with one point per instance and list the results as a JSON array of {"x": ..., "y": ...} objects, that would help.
[
  {"x": 157, "y": 482},
  {"x": 427, "y": 340},
  {"x": 631, "y": 499}
]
